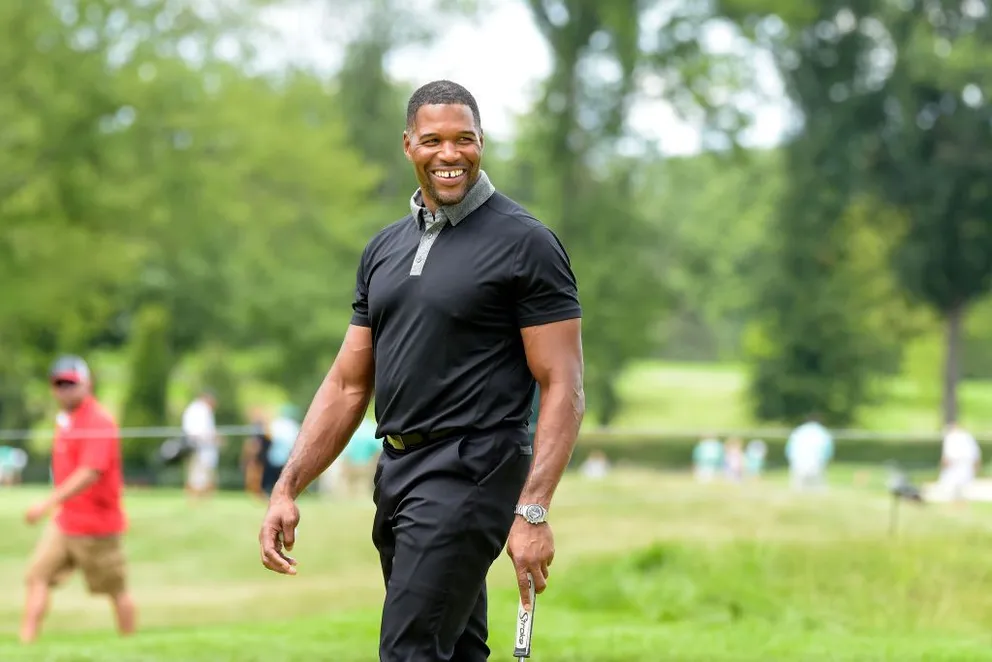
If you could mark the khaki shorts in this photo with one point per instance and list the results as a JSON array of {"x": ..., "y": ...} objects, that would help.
[{"x": 101, "y": 560}]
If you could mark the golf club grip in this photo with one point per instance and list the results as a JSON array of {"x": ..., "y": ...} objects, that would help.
[{"x": 525, "y": 623}]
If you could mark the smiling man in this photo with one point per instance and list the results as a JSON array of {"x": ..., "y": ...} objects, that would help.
[{"x": 461, "y": 310}]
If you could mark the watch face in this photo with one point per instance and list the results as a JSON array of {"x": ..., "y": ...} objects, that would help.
[{"x": 534, "y": 513}]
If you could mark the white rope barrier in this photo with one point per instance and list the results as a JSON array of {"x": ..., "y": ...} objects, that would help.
[{"x": 645, "y": 434}]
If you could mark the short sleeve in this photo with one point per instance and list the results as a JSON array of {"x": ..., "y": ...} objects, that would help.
[
  {"x": 545, "y": 286},
  {"x": 99, "y": 449},
  {"x": 360, "y": 304}
]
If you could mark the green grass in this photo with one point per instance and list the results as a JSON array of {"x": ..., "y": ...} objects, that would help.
[
  {"x": 649, "y": 567},
  {"x": 688, "y": 396},
  {"x": 655, "y": 395}
]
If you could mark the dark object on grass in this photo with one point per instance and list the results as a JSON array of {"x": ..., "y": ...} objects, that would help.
[
  {"x": 902, "y": 489},
  {"x": 174, "y": 451}
]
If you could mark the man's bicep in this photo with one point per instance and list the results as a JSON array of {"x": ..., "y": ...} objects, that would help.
[
  {"x": 354, "y": 365},
  {"x": 554, "y": 352}
]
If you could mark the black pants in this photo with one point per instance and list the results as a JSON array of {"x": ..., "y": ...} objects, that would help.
[{"x": 443, "y": 512}]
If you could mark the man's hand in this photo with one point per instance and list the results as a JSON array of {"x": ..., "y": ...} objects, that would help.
[
  {"x": 37, "y": 512},
  {"x": 532, "y": 549},
  {"x": 278, "y": 532}
]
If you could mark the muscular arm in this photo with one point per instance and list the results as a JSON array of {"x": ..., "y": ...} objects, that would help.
[
  {"x": 554, "y": 355},
  {"x": 335, "y": 413}
]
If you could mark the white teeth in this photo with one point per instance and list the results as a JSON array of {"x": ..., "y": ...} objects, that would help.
[{"x": 448, "y": 174}]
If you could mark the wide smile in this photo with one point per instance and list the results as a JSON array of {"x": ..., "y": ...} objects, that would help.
[{"x": 449, "y": 176}]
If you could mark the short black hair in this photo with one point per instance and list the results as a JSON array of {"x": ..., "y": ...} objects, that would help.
[{"x": 441, "y": 92}]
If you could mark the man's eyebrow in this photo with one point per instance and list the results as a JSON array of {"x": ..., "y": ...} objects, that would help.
[{"x": 433, "y": 134}]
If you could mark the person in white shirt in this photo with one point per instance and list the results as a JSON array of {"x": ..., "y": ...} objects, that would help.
[
  {"x": 200, "y": 431},
  {"x": 596, "y": 466},
  {"x": 960, "y": 460},
  {"x": 809, "y": 450}
]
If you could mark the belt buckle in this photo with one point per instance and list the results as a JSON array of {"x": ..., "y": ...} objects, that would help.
[{"x": 396, "y": 442}]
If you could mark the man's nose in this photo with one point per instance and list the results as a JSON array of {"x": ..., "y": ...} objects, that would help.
[{"x": 448, "y": 151}]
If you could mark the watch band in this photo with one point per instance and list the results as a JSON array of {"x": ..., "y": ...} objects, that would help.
[{"x": 533, "y": 513}]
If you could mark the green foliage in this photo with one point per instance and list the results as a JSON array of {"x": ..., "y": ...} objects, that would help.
[
  {"x": 219, "y": 377},
  {"x": 709, "y": 253},
  {"x": 587, "y": 198},
  {"x": 914, "y": 133},
  {"x": 151, "y": 362},
  {"x": 933, "y": 161},
  {"x": 816, "y": 347}
]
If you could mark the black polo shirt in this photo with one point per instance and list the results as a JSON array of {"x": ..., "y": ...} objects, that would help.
[{"x": 446, "y": 328}]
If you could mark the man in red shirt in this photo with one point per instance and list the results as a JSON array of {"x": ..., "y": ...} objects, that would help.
[{"x": 89, "y": 519}]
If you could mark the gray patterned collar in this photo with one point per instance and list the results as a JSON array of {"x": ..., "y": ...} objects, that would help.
[{"x": 481, "y": 191}]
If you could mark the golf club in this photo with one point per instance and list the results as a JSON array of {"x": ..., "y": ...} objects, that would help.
[{"x": 525, "y": 624}]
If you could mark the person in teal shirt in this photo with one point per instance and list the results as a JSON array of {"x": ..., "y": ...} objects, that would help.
[
  {"x": 707, "y": 458},
  {"x": 359, "y": 458},
  {"x": 12, "y": 463},
  {"x": 364, "y": 446}
]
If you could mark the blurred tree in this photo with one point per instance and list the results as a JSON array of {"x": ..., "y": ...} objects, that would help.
[
  {"x": 906, "y": 86},
  {"x": 934, "y": 160},
  {"x": 143, "y": 165},
  {"x": 60, "y": 256},
  {"x": 812, "y": 350},
  {"x": 151, "y": 362},
  {"x": 712, "y": 251},
  {"x": 219, "y": 377},
  {"x": 566, "y": 168}
]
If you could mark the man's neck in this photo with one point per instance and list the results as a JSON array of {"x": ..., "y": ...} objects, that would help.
[
  {"x": 432, "y": 206},
  {"x": 79, "y": 405}
]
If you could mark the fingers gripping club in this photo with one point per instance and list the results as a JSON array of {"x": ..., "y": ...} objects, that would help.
[{"x": 525, "y": 624}]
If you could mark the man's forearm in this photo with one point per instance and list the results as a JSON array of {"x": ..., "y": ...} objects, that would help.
[
  {"x": 561, "y": 411},
  {"x": 78, "y": 481},
  {"x": 334, "y": 414}
]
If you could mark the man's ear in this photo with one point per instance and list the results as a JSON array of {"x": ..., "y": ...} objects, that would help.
[
  {"x": 406, "y": 144},
  {"x": 482, "y": 140}
]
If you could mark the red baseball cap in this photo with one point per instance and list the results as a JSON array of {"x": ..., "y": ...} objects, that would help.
[{"x": 69, "y": 369}]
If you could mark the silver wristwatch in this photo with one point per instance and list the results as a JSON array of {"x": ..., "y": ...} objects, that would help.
[{"x": 534, "y": 513}]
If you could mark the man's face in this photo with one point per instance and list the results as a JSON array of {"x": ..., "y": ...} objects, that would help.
[
  {"x": 69, "y": 394},
  {"x": 445, "y": 147}
]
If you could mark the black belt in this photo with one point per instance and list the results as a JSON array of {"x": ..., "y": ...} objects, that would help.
[{"x": 403, "y": 442}]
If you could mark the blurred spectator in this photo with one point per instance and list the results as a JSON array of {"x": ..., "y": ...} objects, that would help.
[
  {"x": 596, "y": 465},
  {"x": 200, "y": 431},
  {"x": 282, "y": 432},
  {"x": 961, "y": 459},
  {"x": 88, "y": 520},
  {"x": 707, "y": 457},
  {"x": 754, "y": 457},
  {"x": 809, "y": 449},
  {"x": 329, "y": 482},
  {"x": 359, "y": 460},
  {"x": 13, "y": 460},
  {"x": 253, "y": 452},
  {"x": 733, "y": 459}
]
